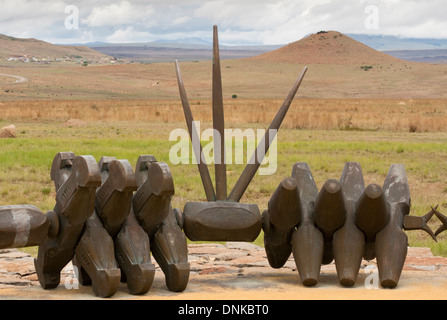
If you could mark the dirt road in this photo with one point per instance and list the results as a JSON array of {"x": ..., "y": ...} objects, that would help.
[{"x": 19, "y": 79}]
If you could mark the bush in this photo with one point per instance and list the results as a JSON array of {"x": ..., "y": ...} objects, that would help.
[{"x": 366, "y": 68}]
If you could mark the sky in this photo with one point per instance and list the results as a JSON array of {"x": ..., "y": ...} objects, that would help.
[{"x": 239, "y": 21}]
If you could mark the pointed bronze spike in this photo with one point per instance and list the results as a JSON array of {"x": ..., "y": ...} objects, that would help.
[
  {"x": 371, "y": 213},
  {"x": 132, "y": 251},
  {"x": 443, "y": 220},
  {"x": 284, "y": 206},
  {"x": 218, "y": 123},
  {"x": 329, "y": 214},
  {"x": 251, "y": 168},
  {"x": 371, "y": 216},
  {"x": 391, "y": 241},
  {"x": 307, "y": 240},
  {"x": 198, "y": 152},
  {"x": 95, "y": 254},
  {"x": 348, "y": 241},
  {"x": 277, "y": 242},
  {"x": 170, "y": 250},
  {"x": 279, "y": 221},
  {"x": 420, "y": 223}
]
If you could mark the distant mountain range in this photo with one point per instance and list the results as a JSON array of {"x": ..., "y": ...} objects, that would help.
[
  {"x": 378, "y": 42},
  {"x": 195, "y": 49},
  {"x": 191, "y": 49},
  {"x": 391, "y": 43}
]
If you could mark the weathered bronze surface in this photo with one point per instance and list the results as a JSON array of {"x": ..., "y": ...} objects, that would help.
[
  {"x": 22, "y": 226},
  {"x": 440, "y": 216},
  {"x": 279, "y": 219},
  {"x": 76, "y": 179},
  {"x": 391, "y": 241},
  {"x": 344, "y": 221},
  {"x": 307, "y": 240},
  {"x": 108, "y": 219},
  {"x": 95, "y": 252},
  {"x": 152, "y": 207},
  {"x": 223, "y": 218},
  {"x": 349, "y": 241}
]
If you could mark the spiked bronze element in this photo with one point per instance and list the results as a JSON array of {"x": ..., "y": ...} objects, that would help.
[
  {"x": 100, "y": 224},
  {"x": 222, "y": 217},
  {"x": 152, "y": 207},
  {"x": 344, "y": 222},
  {"x": 76, "y": 179},
  {"x": 108, "y": 219}
]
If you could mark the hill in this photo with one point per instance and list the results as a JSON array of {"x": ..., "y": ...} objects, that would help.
[
  {"x": 339, "y": 67},
  {"x": 329, "y": 47},
  {"x": 388, "y": 43},
  {"x": 18, "y": 48},
  {"x": 169, "y": 52},
  {"x": 429, "y": 56}
]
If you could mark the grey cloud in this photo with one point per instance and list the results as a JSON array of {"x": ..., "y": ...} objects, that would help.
[{"x": 248, "y": 21}]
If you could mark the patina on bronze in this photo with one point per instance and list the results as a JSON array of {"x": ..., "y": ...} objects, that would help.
[
  {"x": 151, "y": 205},
  {"x": 345, "y": 222},
  {"x": 222, "y": 217},
  {"x": 103, "y": 226},
  {"x": 307, "y": 239},
  {"x": 76, "y": 179},
  {"x": 24, "y": 226},
  {"x": 107, "y": 247}
]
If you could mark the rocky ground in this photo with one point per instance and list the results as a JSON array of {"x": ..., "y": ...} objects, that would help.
[{"x": 239, "y": 271}]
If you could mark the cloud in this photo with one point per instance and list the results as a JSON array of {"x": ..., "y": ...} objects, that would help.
[
  {"x": 22, "y": 18},
  {"x": 117, "y": 14},
  {"x": 248, "y": 21},
  {"x": 129, "y": 35}
]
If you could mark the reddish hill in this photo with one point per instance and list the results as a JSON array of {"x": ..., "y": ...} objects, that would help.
[
  {"x": 329, "y": 47},
  {"x": 10, "y": 46}
]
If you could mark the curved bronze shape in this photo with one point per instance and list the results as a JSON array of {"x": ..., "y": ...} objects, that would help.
[
  {"x": 76, "y": 179},
  {"x": 223, "y": 218},
  {"x": 343, "y": 221}
]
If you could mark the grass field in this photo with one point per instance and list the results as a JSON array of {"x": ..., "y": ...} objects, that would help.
[
  {"x": 376, "y": 133},
  {"x": 248, "y": 79},
  {"x": 422, "y": 115}
]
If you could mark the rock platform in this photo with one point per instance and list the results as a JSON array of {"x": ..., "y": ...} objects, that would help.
[{"x": 239, "y": 271}]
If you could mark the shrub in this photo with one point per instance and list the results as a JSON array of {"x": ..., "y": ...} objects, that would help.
[{"x": 366, "y": 68}]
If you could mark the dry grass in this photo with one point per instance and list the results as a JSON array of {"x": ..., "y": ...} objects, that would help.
[
  {"x": 25, "y": 161},
  {"x": 320, "y": 114}
]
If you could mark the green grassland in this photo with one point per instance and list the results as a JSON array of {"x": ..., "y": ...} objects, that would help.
[{"x": 25, "y": 162}]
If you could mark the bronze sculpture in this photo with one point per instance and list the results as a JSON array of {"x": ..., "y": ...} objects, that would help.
[
  {"x": 108, "y": 219},
  {"x": 345, "y": 222},
  {"x": 222, "y": 217}
]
